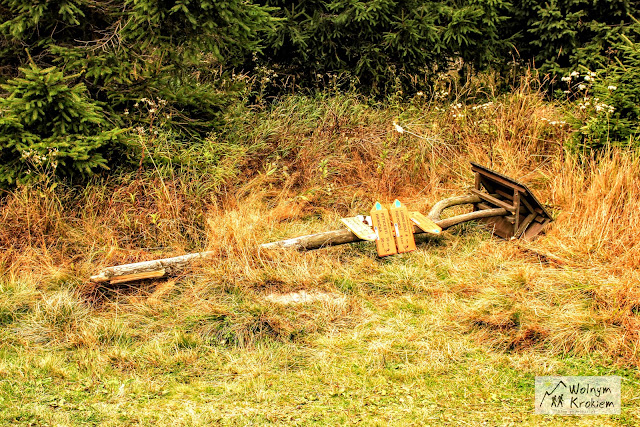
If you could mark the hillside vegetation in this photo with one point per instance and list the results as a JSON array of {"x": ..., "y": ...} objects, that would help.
[
  {"x": 79, "y": 79},
  {"x": 453, "y": 332},
  {"x": 133, "y": 130}
]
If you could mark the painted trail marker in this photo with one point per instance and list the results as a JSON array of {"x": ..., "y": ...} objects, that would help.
[
  {"x": 424, "y": 223},
  {"x": 385, "y": 244},
  {"x": 402, "y": 227},
  {"x": 359, "y": 228}
]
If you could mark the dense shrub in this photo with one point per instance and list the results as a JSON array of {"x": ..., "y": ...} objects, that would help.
[
  {"x": 558, "y": 36},
  {"x": 610, "y": 106},
  {"x": 87, "y": 64},
  {"x": 48, "y": 124},
  {"x": 129, "y": 49},
  {"x": 381, "y": 45}
]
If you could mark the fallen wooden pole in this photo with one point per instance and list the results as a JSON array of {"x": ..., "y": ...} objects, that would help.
[
  {"x": 340, "y": 237},
  {"x": 129, "y": 272},
  {"x": 161, "y": 267}
]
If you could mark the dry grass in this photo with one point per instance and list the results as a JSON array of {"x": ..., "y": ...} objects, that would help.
[{"x": 571, "y": 293}]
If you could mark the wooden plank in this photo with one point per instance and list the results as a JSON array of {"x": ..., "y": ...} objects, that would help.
[
  {"x": 535, "y": 228},
  {"x": 403, "y": 229},
  {"x": 526, "y": 203},
  {"x": 138, "y": 276},
  {"x": 497, "y": 202},
  {"x": 471, "y": 216},
  {"x": 527, "y": 221},
  {"x": 385, "y": 243},
  {"x": 478, "y": 186},
  {"x": 504, "y": 194},
  {"x": 359, "y": 228},
  {"x": 497, "y": 177},
  {"x": 424, "y": 223},
  {"x": 516, "y": 204}
]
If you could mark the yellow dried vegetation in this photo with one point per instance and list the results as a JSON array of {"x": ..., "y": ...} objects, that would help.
[{"x": 573, "y": 291}]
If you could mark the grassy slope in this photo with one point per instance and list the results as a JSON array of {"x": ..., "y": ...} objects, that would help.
[{"x": 453, "y": 333}]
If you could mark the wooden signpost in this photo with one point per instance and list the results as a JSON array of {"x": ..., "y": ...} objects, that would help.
[
  {"x": 424, "y": 223},
  {"x": 402, "y": 228},
  {"x": 359, "y": 228},
  {"x": 385, "y": 243}
]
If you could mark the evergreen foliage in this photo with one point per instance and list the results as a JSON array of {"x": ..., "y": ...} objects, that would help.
[
  {"x": 130, "y": 49},
  {"x": 49, "y": 125},
  {"x": 558, "y": 36},
  {"x": 614, "y": 104},
  {"x": 381, "y": 42},
  {"x": 74, "y": 71}
]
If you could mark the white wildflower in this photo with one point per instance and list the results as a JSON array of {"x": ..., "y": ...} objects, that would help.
[
  {"x": 587, "y": 78},
  {"x": 575, "y": 74},
  {"x": 399, "y": 128},
  {"x": 612, "y": 87},
  {"x": 582, "y": 87},
  {"x": 566, "y": 79}
]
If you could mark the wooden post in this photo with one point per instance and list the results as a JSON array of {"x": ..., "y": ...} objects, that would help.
[{"x": 160, "y": 267}]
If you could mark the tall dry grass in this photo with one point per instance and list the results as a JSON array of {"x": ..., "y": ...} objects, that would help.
[{"x": 311, "y": 160}]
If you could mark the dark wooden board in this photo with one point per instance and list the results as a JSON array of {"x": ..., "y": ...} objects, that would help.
[{"x": 502, "y": 191}]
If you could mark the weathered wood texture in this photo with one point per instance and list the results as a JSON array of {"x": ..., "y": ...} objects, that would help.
[
  {"x": 168, "y": 265},
  {"x": 160, "y": 267}
]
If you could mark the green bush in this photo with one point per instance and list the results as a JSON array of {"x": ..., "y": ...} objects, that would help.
[
  {"x": 381, "y": 46},
  {"x": 127, "y": 50},
  {"x": 48, "y": 125},
  {"x": 558, "y": 36},
  {"x": 608, "y": 104}
]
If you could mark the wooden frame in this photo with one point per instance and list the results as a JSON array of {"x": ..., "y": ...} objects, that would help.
[{"x": 527, "y": 218}]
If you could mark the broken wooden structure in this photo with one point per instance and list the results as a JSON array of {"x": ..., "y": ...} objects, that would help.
[
  {"x": 506, "y": 206},
  {"x": 527, "y": 217}
]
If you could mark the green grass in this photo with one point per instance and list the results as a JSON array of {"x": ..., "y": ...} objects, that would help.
[
  {"x": 451, "y": 334},
  {"x": 402, "y": 349}
]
